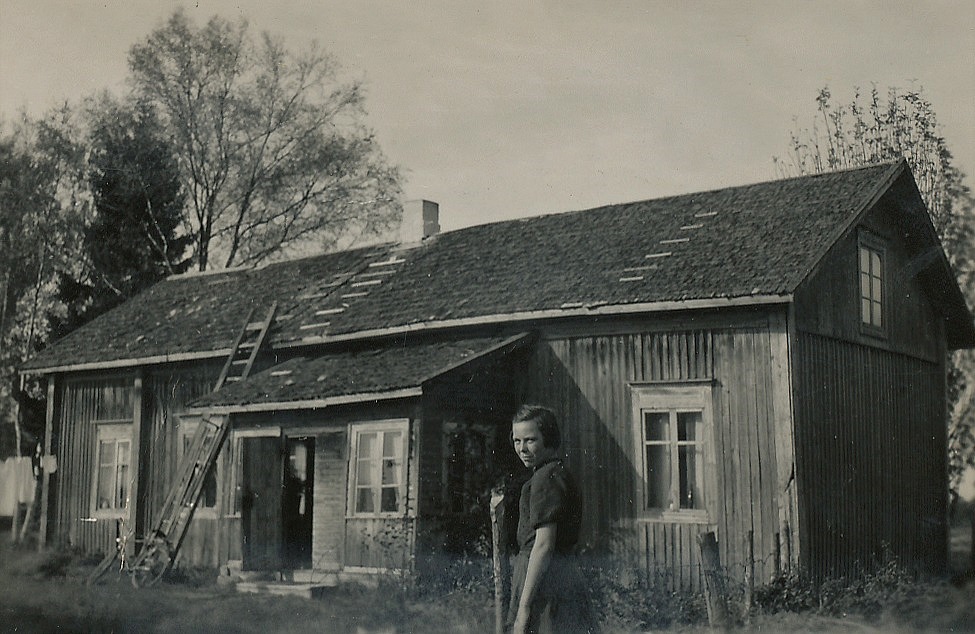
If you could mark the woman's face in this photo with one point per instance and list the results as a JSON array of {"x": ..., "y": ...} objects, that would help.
[{"x": 529, "y": 445}]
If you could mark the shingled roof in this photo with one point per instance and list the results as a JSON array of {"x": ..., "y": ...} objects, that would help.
[
  {"x": 372, "y": 373},
  {"x": 747, "y": 244}
]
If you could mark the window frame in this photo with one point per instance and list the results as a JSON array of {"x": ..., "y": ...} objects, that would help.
[
  {"x": 674, "y": 398},
  {"x": 380, "y": 427},
  {"x": 872, "y": 245},
  {"x": 186, "y": 430},
  {"x": 105, "y": 431}
]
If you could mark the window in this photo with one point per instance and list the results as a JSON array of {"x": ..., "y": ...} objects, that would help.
[
  {"x": 208, "y": 497},
  {"x": 674, "y": 424},
  {"x": 377, "y": 485},
  {"x": 872, "y": 287},
  {"x": 113, "y": 477}
]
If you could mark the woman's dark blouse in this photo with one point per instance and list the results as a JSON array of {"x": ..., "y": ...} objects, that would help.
[{"x": 550, "y": 495}]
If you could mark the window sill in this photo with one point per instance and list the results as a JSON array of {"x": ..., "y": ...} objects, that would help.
[
  {"x": 110, "y": 514},
  {"x": 675, "y": 517},
  {"x": 380, "y": 516}
]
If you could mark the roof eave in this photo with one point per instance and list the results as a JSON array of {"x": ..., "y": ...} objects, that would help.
[
  {"x": 318, "y": 403},
  {"x": 590, "y": 310},
  {"x": 118, "y": 364},
  {"x": 534, "y": 316}
]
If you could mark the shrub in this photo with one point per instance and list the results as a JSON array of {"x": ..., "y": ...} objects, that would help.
[
  {"x": 890, "y": 594},
  {"x": 787, "y": 592},
  {"x": 631, "y": 599},
  {"x": 48, "y": 564}
]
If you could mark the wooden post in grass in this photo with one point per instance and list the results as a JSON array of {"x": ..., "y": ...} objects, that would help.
[
  {"x": 714, "y": 591},
  {"x": 499, "y": 550},
  {"x": 749, "y": 575}
]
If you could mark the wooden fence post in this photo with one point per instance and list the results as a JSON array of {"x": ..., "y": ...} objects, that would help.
[
  {"x": 749, "y": 574},
  {"x": 499, "y": 550},
  {"x": 714, "y": 590}
]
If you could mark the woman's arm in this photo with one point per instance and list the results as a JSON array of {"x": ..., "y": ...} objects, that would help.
[{"x": 538, "y": 561}]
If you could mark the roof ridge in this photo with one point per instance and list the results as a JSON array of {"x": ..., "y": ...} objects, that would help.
[{"x": 671, "y": 197}]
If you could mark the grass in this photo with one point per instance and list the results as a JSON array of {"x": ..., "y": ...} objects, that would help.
[{"x": 46, "y": 592}]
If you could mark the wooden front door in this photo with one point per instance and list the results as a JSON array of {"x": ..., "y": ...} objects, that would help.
[{"x": 262, "y": 471}]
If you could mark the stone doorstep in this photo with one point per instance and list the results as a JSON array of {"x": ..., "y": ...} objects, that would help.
[
  {"x": 305, "y": 583},
  {"x": 282, "y": 588}
]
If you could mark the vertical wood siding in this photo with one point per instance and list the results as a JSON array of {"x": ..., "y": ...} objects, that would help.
[
  {"x": 870, "y": 455},
  {"x": 166, "y": 395},
  {"x": 586, "y": 380},
  {"x": 829, "y": 302},
  {"x": 83, "y": 402}
]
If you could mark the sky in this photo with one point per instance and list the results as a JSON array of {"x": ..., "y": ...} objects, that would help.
[{"x": 505, "y": 109}]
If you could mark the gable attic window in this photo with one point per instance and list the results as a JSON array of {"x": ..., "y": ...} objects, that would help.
[
  {"x": 872, "y": 282},
  {"x": 673, "y": 431}
]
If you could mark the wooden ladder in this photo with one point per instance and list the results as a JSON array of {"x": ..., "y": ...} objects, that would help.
[{"x": 164, "y": 540}]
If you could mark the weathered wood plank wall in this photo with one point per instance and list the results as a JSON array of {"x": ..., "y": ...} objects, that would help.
[
  {"x": 870, "y": 445},
  {"x": 586, "y": 380},
  {"x": 166, "y": 395},
  {"x": 85, "y": 403}
]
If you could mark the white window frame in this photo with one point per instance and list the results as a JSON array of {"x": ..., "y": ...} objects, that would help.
[
  {"x": 674, "y": 398},
  {"x": 871, "y": 282},
  {"x": 400, "y": 426},
  {"x": 109, "y": 431},
  {"x": 184, "y": 437}
]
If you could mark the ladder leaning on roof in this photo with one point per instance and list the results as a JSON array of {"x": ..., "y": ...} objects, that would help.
[{"x": 164, "y": 540}]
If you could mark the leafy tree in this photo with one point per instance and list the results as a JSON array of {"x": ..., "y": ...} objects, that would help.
[
  {"x": 905, "y": 125},
  {"x": 135, "y": 236},
  {"x": 42, "y": 201},
  {"x": 271, "y": 146}
]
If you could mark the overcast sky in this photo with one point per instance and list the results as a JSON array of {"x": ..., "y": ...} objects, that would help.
[{"x": 499, "y": 109}]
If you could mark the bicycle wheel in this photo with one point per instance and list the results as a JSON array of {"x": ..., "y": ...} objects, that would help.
[{"x": 151, "y": 564}]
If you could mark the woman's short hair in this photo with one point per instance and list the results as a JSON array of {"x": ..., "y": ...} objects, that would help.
[{"x": 545, "y": 418}]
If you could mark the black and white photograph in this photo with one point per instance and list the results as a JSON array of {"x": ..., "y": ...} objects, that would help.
[{"x": 377, "y": 317}]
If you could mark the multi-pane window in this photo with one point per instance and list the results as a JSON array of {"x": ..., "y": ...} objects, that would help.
[
  {"x": 378, "y": 482},
  {"x": 672, "y": 440},
  {"x": 113, "y": 475},
  {"x": 871, "y": 287}
]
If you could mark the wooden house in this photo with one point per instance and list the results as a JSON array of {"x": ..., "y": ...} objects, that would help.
[{"x": 766, "y": 362}]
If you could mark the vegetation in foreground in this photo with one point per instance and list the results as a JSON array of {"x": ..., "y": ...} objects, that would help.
[{"x": 46, "y": 592}]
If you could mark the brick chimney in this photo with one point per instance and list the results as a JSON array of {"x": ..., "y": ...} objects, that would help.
[{"x": 421, "y": 219}]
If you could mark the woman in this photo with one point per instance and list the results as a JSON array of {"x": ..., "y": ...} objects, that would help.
[{"x": 548, "y": 593}]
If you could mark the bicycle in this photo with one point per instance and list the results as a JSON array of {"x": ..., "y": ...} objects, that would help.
[{"x": 146, "y": 569}]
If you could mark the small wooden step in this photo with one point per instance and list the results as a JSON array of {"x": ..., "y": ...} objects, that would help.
[{"x": 284, "y": 588}]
